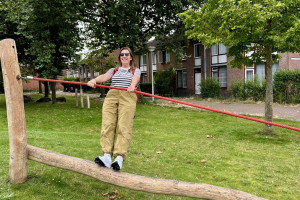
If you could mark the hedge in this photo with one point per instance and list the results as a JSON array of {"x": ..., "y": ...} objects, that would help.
[{"x": 287, "y": 86}]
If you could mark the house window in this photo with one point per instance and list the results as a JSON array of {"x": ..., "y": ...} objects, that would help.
[
  {"x": 143, "y": 60},
  {"x": 220, "y": 74},
  {"x": 144, "y": 78},
  {"x": 249, "y": 73},
  {"x": 223, "y": 76},
  {"x": 197, "y": 52},
  {"x": 215, "y": 73},
  {"x": 275, "y": 68},
  {"x": 153, "y": 58},
  {"x": 214, "y": 50},
  {"x": 218, "y": 54},
  {"x": 163, "y": 56},
  {"x": 143, "y": 63},
  {"x": 260, "y": 72},
  {"x": 181, "y": 77}
]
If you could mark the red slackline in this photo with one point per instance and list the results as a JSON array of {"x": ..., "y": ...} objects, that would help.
[{"x": 173, "y": 100}]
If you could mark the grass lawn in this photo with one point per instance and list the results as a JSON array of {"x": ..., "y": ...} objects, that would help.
[{"x": 167, "y": 143}]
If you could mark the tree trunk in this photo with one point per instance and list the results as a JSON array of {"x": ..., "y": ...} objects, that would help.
[
  {"x": 269, "y": 90},
  {"x": 40, "y": 87},
  {"x": 136, "y": 182},
  {"x": 86, "y": 73},
  {"x": 92, "y": 74},
  {"x": 53, "y": 92},
  {"x": 46, "y": 87}
]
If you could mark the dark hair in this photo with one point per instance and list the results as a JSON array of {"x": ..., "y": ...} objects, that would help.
[{"x": 131, "y": 55}]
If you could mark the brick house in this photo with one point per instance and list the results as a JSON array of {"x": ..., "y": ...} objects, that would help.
[
  {"x": 199, "y": 64},
  {"x": 202, "y": 63}
]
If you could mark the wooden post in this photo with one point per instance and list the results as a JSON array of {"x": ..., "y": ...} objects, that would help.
[
  {"x": 88, "y": 101},
  {"x": 76, "y": 96},
  {"x": 81, "y": 97},
  {"x": 15, "y": 111}
]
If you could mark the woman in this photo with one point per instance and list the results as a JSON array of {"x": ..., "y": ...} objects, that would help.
[{"x": 118, "y": 110}]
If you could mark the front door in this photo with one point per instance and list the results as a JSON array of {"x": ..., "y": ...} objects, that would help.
[{"x": 197, "y": 83}]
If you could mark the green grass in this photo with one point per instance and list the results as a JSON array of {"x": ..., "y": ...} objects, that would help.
[{"x": 238, "y": 156}]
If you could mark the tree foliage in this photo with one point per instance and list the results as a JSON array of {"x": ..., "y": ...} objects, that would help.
[
  {"x": 246, "y": 26},
  {"x": 99, "y": 60},
  {"x": 119, "y": 23},
  {"x": 253, "y": 29},
  {"x": 51, "y": 29}
]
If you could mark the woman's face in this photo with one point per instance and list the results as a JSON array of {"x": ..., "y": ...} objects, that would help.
[{"x": 125, "y": 57}]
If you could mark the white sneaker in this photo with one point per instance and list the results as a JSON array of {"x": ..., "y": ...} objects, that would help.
[
  {"x": 104, "y": 161},
  {"x": 117, "y": 164}
]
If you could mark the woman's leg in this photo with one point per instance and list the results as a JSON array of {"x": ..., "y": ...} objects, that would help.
[
  {"x": 109, "y": 121},
  {"x": 126, "y": 111}
]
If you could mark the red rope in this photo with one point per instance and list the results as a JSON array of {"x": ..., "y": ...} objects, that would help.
[{"x": 176, "y": 101}]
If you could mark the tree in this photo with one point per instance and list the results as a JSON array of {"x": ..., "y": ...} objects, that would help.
[
  {"x": 253, "y": 29},
  {"x": 132, "y": 23},
  {"x": 99, "y": 60},
  {"x": 52, "y": 26}
]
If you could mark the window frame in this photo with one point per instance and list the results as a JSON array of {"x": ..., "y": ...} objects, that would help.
[
  {"x": 182, "y": 81},
  {"x": 163, "y": 57},
  {"x": 197, "y": 56},
  {"x": 215, "y": 53},
  {"x": 216, "y": 70}
]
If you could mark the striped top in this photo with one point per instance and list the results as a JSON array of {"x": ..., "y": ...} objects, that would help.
[{"x": 123, "y": 77}]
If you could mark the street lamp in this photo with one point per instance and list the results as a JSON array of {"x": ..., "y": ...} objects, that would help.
[{"x": 151, "y": 49}]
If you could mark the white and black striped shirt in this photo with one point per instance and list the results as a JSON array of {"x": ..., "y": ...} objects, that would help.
[{"x": 123, "y": 77}]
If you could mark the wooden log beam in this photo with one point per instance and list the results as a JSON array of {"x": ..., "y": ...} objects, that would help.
[
  {"x": 136, "y": 182},
  {"x": 15, "y": 112}
]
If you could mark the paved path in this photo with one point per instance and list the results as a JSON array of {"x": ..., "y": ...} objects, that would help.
[{"x": 290, "y": 112}]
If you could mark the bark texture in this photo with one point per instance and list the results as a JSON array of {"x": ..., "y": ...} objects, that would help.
[
  {"x": 269, "y": 90},
  {"x": 136, "y": 182},
  {"x": 15, "y": 112}
]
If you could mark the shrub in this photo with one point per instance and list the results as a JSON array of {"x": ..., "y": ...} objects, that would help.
[
  {"x": 146, "y": 87},
  {"x": 210, "y": 88},
  {"x": 287, "y": 86},
  {"x": 237, "y": 89},
  {"x": 250, "y": 89},
  {"x": 255, "y": 89},
  {"x": 70, "y": 87},
  {"x": 165, "y": 82}
]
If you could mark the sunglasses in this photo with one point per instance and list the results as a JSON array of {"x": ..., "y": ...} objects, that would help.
[{"x": 124, "y": 54}]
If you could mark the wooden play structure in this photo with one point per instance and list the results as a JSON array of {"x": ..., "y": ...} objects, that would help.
[{"x": 20, "y": 151}]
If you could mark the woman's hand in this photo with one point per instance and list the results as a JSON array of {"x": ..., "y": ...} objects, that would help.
[
  {"x": 131, "y": 88},
  {"x": 92, "y": 83}
]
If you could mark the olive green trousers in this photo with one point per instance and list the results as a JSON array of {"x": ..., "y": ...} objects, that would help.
[{"x": 117, "y": 121}]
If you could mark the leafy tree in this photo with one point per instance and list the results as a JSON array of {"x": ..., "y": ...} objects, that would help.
[
  {"x": 260, "y": 27},
  {"x": 99, "y": 60},
  {"x": 9, "y": 29},
  {"x": 132, "y": 23},
  {"x": 53, "y": 28}
]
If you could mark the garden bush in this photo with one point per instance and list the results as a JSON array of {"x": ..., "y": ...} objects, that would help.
[
  {"x": 210, "y": 88},
  {"x": 146, "y": 87},
  {"x": 70, "y": 87},
  {"x": 165, "y": 82},
  {"x": 243, "y": 90},
  {"x": 287, "y": 86}
]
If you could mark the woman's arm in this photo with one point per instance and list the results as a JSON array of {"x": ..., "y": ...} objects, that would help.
[
  {"x": 99, "y": 79},
  {"x": 134, "y": 82}
]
